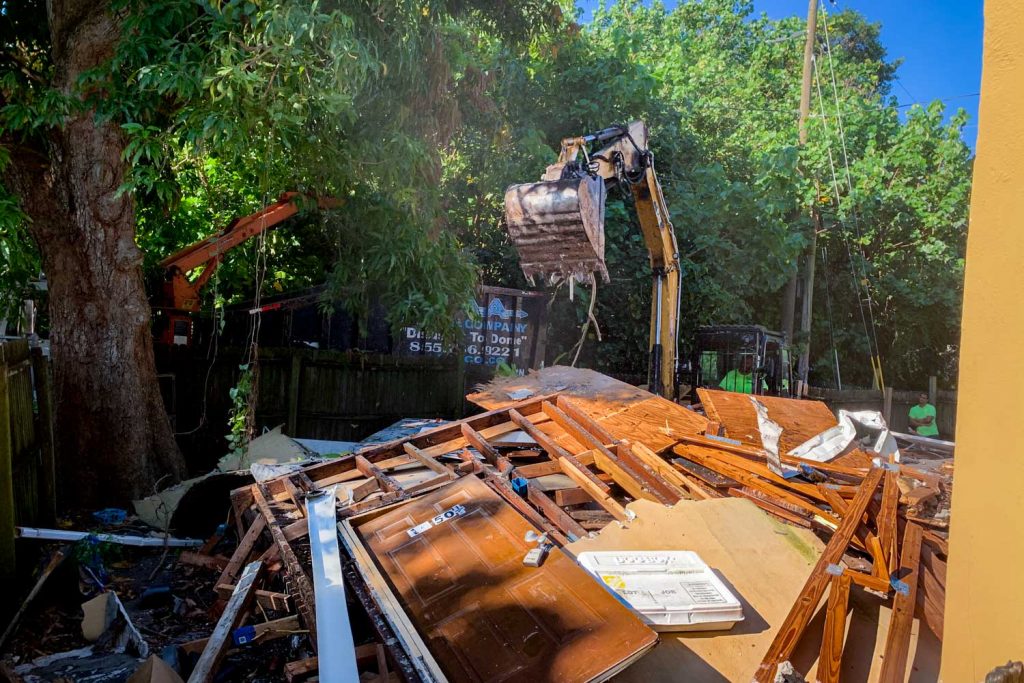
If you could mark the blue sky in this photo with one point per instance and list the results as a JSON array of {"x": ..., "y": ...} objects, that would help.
[{"x": 939, "y": 41}]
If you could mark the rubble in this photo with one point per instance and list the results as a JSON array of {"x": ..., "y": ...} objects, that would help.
[{"x": 460, "y": 546}]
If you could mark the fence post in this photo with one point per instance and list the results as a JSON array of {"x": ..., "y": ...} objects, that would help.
[
  {"x": 887, "y": 405},
  {"x": 933, "y": 390},
  {"x": 294, "y": 380},
  {"x": 48, "y": 472},
  {"x": 7, "y": 566}
]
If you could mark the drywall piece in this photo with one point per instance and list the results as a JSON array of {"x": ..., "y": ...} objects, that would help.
[
  {"x": 455, "y": 559},
  {"x": 155, "y": 670},
  {"x": 105, "y": 613},
  {"x": 335, "y": 646},
  {"x": 764, "y": 563},
  {"x": 119, "y": 539}
]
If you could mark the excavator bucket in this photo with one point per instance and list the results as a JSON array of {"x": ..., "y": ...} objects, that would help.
[{"x": 557, "y": 226}]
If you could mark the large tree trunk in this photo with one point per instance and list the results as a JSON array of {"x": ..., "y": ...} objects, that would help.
[{"x": 114, "y": 438}]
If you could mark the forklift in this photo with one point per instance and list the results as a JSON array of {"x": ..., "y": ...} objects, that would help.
[{"x": 721, "y": 348}]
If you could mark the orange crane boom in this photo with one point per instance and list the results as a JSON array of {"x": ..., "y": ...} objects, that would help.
[{"x": 181, "y": 295}]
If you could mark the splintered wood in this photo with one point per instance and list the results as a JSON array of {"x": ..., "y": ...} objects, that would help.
[{"x": 578, "y": 455}]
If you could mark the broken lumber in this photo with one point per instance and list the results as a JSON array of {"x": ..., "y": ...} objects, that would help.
[{"x": 217, "y": 643}]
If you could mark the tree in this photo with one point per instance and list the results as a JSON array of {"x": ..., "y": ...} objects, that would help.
[{"x": 108, "y": 106}]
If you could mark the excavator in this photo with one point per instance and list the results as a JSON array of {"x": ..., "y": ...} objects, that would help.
[
  {"x": 557, "y": 226},
  {"x": 180, "y": 297}
]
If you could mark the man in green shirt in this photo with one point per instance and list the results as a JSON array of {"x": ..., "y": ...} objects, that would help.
[
  {"x": 741, "y": 379},
  {"x": 922, "y": 418}
]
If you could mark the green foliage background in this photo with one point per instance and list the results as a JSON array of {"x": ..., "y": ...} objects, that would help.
[{"x": 419, "y": 114}]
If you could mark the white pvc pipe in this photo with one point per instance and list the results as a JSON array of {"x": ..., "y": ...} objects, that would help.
[
  {"x": 336, "y": 650},
  {"x": 143, "y": 541}
]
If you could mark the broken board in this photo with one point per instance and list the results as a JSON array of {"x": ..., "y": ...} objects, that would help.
[
  {"x": 455, "y": 559},
  {"x": 626, "y": 411},
  {"x": 763, "y": 563},
  {"x": 800, "y": 419}
]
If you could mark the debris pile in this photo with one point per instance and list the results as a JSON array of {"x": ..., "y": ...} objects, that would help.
[{"x": 582, "y": 528}]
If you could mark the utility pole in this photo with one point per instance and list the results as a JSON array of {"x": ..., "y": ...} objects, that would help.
[{"x": 789, "y": 301}]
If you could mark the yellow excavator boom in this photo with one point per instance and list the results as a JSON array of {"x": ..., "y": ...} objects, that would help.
[{"x": 557, "y": 226}]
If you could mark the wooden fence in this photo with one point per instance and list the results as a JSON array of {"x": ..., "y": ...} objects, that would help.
[
  {"x": 899, "y": 405},
  {"x": 315, "y": 394},
  {"x": 27, "y": 469}
]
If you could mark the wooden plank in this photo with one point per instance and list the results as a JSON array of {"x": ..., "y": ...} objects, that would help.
[
  {"x": 796, "y": 621},
  {"x": 573, "y": 410},
  {"x": 300, "y": 586},
  {"x": 585, "y": 482},
  {"x": 217, "y": 644},
  {"x": 477, "y": 441},
  {"x": 370, "y": 470},
  {"x": 504, "y": 489},
  {"x": 886, "y": 520},
  {"x": 551, "y": 511},
  {"x": 267, "y": 630},
  {"x": 760, "y": 455},
  {"x": 56, "y": 559},
  {"x": 770, "y": 507},
  {"x": 242, "y": 552},
  {"x": 762, "y": 471},
  {"x": 279, "y": 602},
  {"x": 451, "y": 431},
  {"x": 897, "y": 642},
  {"x": 830, "y": 658},
  {"x": 658, "y": 464},
  {"x": 575, "y": 496},
  {"x": 868, "y": 580},
  {"x": 557, "y": 452},
  {"x": 704, "y": 474},
  {"x": 800, "y": 419},
  {"x": 427, "y": 461},
  {"x": 542, "y": 469},
  {"x": 294, "y": 494},
  {"x": 708, "y": 459},
  {"x": 653, "y": 486},
  {"x": 623, "y": 478},
  {"x": 834, "y": 500}
]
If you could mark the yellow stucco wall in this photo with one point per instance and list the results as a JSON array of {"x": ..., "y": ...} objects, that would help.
[{"x": 984, "y": 622}]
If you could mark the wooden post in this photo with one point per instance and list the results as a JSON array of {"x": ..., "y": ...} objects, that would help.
[
  {"x": 294, "y": 381},
  {"x": 887, "y": 405},
  {"x": 933, "y": 391},
  {"x": 7, "y": 567},
  {"x": 48, "y": 469}
]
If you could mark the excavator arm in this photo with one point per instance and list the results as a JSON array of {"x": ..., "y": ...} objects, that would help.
[
  {"x": 557, "y": 226},
  {"x": 181, "y": 294}
]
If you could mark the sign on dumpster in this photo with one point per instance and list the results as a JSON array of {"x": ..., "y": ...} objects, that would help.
[{"x": 508, "y": 328}]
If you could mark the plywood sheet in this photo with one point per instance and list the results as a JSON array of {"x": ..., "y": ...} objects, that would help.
[
  {"x": 799, "y": 419},
  {"x": 626, "y": 411},
  {"x": 764, "y": 563},
  {"x": 484, "y": 615}
]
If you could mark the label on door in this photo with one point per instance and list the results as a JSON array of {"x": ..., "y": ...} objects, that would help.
[{"x": 450, "y": 513}]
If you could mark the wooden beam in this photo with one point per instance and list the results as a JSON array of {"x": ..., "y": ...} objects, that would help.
[
  {"x": 504, "y": 489},
  {"x": 242, "y": 552},
  {"x": 586, "y": 483},
  {"x": 427, "y": 461},
  {"x": 557, "y": 452},
  {"x": 370, "y": 470},
  {"x": 217, "y": 643},
  {"x": 572, "y": 409},
  {"x": 541, "y": 469},
  {"x": 300, "y": 586},
  {"x": 830, "y": 658},
  {"x": 294, "y": 494},
  {"x": 623, "y": 478},
  {"x": 886, "y": 520},
  {"x": 477, "y": 441},
  {"x": 267, "y": 630},
  {"x": 792, "y": 629},
  {"x": 575, "y": 496},
  {"x": 897, "y": 641}
]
